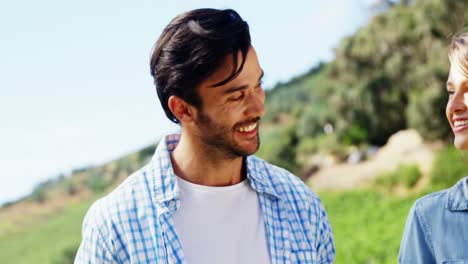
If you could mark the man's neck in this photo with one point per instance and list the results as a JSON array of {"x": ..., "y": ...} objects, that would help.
[{"x": 195, "y": 164}]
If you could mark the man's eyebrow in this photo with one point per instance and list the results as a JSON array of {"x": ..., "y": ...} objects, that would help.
[{"x": 242, "y": 87}]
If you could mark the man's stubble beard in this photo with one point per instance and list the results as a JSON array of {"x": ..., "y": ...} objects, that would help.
[{"x": 219, "y": 139}]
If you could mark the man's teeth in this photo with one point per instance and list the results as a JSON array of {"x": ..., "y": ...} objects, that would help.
[
  {"x": 247, "y": 128},
  {"x": 460, "y": 123}
]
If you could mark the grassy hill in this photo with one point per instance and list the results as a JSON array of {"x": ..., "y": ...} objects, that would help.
[
  {"x": 45, "y": 227},
  {"x": 53, "y": 239},
  {"x": 367, "y": 223}
]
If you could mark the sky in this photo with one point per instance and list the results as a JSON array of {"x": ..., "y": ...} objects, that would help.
[{"x": 74, "y": 76}]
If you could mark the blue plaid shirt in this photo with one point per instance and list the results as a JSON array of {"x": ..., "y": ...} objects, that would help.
[{"x": 133, "y": 224}]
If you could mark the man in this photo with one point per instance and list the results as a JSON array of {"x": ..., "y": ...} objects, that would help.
[{"x": 204, "y": 198}]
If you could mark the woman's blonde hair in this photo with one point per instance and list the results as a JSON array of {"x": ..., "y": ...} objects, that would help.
[{"x": 458, "y": 51}]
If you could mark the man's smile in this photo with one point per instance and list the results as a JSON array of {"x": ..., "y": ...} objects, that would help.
[{"x": 247, "y": 128}]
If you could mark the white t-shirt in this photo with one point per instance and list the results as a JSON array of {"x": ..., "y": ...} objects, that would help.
[{"x": 221, "y": 224}]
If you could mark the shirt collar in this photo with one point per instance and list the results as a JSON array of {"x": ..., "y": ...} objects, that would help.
[
  {"x": 259, "y": 176},
  {"x": 164, "y": 185},
  {"x": 458, "y": 196},
  {"x": 166, "y": 189}
]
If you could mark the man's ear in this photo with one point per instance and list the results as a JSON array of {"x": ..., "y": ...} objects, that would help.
[{"x": 182, "y": 110}]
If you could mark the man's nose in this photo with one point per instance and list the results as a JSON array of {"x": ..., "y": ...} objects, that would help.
[{"x": 256, "y": 105}]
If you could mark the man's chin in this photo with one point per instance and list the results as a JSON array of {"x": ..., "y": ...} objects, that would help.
[{"x": 250, "y": 148}]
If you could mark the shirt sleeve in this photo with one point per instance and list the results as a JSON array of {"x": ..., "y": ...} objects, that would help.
[
  {"x": 93, "y": 248},
  {"x": 416, "y": 246},
  {"x": 326, "y": 246}
]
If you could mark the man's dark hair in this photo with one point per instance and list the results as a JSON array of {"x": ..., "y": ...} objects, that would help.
[{"x": 191, "y": 48}]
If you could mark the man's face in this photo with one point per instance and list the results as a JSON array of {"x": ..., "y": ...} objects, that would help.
[
  {"x": 228, "y": 120},
  {"x": 457, "y": 105}
]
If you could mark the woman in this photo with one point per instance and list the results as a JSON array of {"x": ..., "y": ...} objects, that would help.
[{"x": 437, "y": 226}]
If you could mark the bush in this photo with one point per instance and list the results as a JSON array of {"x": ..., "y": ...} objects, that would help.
[
  {"x": 387, "y": 180},
  {"x": 279, "y": 147},
  {"x": 70, "y": 187},
  {"x": 146, "y": 153},
  {"x": 96, "y": 183},
  {"x": 449, "y": 166},
  {"x": 405, "y": 175},
  {"x": 39, "y": 193},
  {"x": 67, "y": 256},
  {"x": 410, "y": 175},
  {"x": 7, "y": 204},
  {"x": 321, "y": 144},
  {"x": 426, "y": 111},
  {"x": 355, "y": 135},
  {"x": 82, "y": 169}
]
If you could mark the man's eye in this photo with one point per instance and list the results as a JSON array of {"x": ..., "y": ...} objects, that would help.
[
  {"x": 260, "y": 84},
  {"x": 450, "y": 92},
  {"x": 237, "y": 98}
]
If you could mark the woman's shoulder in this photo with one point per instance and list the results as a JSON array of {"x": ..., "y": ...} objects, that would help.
[
  {"x": 453, "y": 198},
  {"x": 431, "y": 202}
]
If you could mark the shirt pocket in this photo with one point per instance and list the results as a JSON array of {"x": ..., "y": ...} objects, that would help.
[{"x": 457, "y": 261}]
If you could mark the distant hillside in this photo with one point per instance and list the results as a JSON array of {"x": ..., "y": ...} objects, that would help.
[
  {"x": 54, "y": 195},
  {"x": 55, "y": 210},
  {"x": 389, "y": 76}
]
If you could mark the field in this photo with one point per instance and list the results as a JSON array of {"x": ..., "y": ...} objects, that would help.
[
  {"x": 48, "y": 241},
  {"x": 367, "y": 226}
]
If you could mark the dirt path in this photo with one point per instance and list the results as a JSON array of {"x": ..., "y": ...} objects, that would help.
[{"x": 405, "y": 147}]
